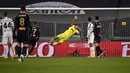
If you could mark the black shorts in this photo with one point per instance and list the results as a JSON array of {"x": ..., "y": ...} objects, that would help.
[
  {"x": 22, "y": 37},
  {"x": 32, "y": 41},
  {"x": 97, "y": 39}
]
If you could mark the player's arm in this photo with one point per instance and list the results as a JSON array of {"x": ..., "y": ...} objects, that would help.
[
  {"x": 75, "y": 18},
  {"x": 98, "y": 29},
  {"x": 77, "y": 32},
  {"x": 16, "y": 23},
  {"x": 0, "y": 25},
  {"x": 0, "y": 22},
  {"x": 38, "y": 34},
  {"x": 16, "y": 27},
  {"x": 29, "y": 24},
  {"x": 12, "y": 24},
  {"x": 72, "y": 23}
]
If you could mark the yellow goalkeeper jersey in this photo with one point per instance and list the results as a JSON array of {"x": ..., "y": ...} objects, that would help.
[{"x": 70, "y": 32}]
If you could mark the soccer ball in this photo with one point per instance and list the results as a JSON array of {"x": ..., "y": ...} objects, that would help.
[
  {"x": 123, "y": 23},
  {"x": 19, "y": 60}
]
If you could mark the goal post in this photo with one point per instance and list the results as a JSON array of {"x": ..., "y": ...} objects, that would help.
[{"x": 119, "y": 8}]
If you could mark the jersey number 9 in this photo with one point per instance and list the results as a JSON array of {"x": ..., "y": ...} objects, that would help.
[{"x": 21, "y": 21}]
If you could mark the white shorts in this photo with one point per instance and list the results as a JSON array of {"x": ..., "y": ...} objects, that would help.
[
  {"x": 6, "y": 40},
  {"x": 91, "y": 39},
  {"x": 7, "y": 37}
]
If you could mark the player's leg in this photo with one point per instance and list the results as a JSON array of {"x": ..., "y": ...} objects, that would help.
[
  {"x": 24, "y": 40},
  {"x": 11, "y": 47},
  {"x": 25, "y": 43},
  {"x": 18, "y": 47},
  {"x": 31, "y": 49},
  {"x": 92, "y": 50},
  {"x": 53, "y": 39},
  {"x": 58, "y": 42},
  {"x": 6, "y": 48},
  {"x": 32, "y": 44},
  {"x": 91, "y": 45},
  {"x": 98, "y": 49},
  {"x": 100, "y": 52},
  {"x": 24, "y": 49},
  {"x": 60, "y": 39}
]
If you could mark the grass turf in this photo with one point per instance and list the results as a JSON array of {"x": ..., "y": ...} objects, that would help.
[{"x": 66, "y": 65}]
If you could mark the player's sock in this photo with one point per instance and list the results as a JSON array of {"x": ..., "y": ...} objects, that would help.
[
  {"x": 55, "y": 43},
  {"x": 30, "y": 51},
  {"x": 93, "y": 51},
  {"x": 6, "y": 50},
  {"x": 18, "y": 51},
  {"x": 98, "y": 50},
  {"x": 24, "y": 51},
  {"x": 13, "y": 50},
  {"x": 53, "y": 39}
]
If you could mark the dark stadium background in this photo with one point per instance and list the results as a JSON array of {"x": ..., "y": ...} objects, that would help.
[
  {"x": 111, "y": 20},
  {"x": 80, "y": 3}
]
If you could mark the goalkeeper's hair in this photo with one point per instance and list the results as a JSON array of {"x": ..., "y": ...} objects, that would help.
[
  {"x": 77, "y": 24},
  {"x": 23, "y": 8}
]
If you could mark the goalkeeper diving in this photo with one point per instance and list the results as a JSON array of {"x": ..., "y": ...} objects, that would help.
[{"x": 72, "y": 30}]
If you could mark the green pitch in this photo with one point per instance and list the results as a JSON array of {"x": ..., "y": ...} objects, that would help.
[{"x": 66, "y": 65}]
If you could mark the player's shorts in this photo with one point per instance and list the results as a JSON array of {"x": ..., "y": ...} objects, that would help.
[
  {"x": 6, "y": 40},
  {"x": 97, "y": 39},
  {"x": 62, "y": 37},
  {"x": 32, "y": 41},
  {"x": 22, "y": 36},
  {"x": 91, "y": 39}
]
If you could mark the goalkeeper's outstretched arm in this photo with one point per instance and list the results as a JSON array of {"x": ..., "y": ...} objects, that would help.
[{"x": 75, "y": 18}]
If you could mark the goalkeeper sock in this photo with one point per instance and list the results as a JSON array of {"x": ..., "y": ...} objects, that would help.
[
  {"x": 53, "y": 39},
  {"x": 55, "y": 43}
]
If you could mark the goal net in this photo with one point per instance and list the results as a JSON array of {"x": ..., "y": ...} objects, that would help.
[{"x": 53, "y": 21}]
